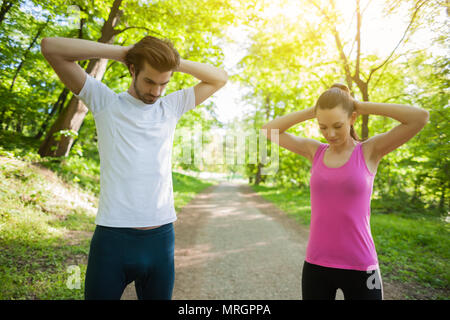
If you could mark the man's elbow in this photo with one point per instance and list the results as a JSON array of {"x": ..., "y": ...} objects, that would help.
[
  {"x": 426, "y": 116},
  {"x": 46, "y": 44}
]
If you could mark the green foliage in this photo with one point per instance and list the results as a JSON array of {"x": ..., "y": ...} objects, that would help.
[
  {"x": 29, "y": 88},
  {"x": 15, "y": 145}
]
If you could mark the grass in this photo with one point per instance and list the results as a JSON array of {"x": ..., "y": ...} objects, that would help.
[
  {"x": 33, "y": 235},
  {"x": 185, "y": 188},
  {"x": 413, "y": 249},
  {"x": 47, "y": 216}
]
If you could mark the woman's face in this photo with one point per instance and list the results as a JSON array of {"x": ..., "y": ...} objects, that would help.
[{"x": 335, "y": 124}]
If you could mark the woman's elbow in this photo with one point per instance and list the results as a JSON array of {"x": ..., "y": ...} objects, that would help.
[
  {"x": 427, "y": 116},
  {"x": 225, "y": 77},
  {"x": 424, "y": 117},
  {"x": 265, "y": 131}
]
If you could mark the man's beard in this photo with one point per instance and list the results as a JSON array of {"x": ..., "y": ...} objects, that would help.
[{"x": 146, "y": 98}]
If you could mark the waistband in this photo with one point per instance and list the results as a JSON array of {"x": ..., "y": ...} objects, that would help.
[{"x": 138, "y": 232}]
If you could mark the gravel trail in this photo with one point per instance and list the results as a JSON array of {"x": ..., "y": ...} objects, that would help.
[{"x": 231, "y": 244}]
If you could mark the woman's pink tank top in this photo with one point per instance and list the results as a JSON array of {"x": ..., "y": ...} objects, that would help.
[{"x": 340, "y": 234}]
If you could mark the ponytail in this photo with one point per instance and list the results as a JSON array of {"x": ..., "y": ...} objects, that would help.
[
  {"x": 353, "y": 134},
  {"x": 341, "y": 86}
]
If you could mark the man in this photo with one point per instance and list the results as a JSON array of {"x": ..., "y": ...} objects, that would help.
[{"x": 134, "y": 237}]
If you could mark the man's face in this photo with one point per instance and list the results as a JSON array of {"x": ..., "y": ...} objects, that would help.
[{"x": 150, "y": 83}]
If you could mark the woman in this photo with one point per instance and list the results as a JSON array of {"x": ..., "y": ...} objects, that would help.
[{"x": 341, "y": 252}]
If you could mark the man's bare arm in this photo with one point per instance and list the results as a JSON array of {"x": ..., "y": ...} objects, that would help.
[
  {"x": 62, "y": 54},
  {"x": 212, "y": 78}
]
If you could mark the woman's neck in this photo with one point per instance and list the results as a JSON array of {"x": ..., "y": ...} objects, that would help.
[{"x": 349, "y": 144}]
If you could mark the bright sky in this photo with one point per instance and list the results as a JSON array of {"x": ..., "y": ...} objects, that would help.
[
  {"x": 228, "y": 100},
  {"x": 380, "y": 36}
]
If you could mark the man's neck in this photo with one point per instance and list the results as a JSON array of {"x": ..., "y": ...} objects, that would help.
[{"x": 132, "y": 92}]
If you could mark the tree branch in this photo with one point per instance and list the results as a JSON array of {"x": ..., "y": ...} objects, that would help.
[
  {"x": 373, "y": 70},
  {"x": 358, "y": 40},
  {"x": 118, "y": 31},
  {"x": 339, "y": 45}
]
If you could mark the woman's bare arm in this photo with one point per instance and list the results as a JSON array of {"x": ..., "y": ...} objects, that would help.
[
  {"x": 276, "y": 128},
  {"x": 412, "y": 120}
]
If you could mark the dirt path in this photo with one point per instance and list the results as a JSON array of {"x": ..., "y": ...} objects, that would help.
[{"x": 232, "y": 244}]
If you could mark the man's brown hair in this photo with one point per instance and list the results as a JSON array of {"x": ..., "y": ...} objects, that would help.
[{"x": 160, "y": 54}]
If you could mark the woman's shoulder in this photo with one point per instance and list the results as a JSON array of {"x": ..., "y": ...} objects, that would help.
[
  {"x": 318, "y": 149},
  {"x": 367, "y": 146},
  {"x": 367, "y": 151}
]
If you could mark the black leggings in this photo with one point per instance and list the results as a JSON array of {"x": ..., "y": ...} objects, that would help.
[{"x": 321, "y": 283}]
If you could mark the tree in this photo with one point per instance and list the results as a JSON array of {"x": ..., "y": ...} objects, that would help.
[
  {"x": 73, "y": 115},
  {"x": 185, "y": 24},
  {"x": 362, "y": 82},
  {"x": 6, "y": 6},
  {"x": 289, "y": 62}
]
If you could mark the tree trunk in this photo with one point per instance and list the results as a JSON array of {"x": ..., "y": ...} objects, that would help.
[
  {"x": 364, "y": 88},
  {"x": 6, "y": 5},
  {"x": 356, "y": 76},
  {"x": 70, "y": 119},
  {"x": 362, "y": 85},
  {"x": 442, "y": 198},
  {"x": 59, "y": 104},
  {"x": 73, "y": 115},
  {"x": 258, "y": 177},
  {"x": 56, "y": 109}
]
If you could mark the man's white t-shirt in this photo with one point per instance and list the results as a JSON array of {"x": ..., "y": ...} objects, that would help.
[{"x": 135, "y": 145}]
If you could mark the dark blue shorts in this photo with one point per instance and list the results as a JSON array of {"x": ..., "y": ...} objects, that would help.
[{"x": 119, "y": 256}]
